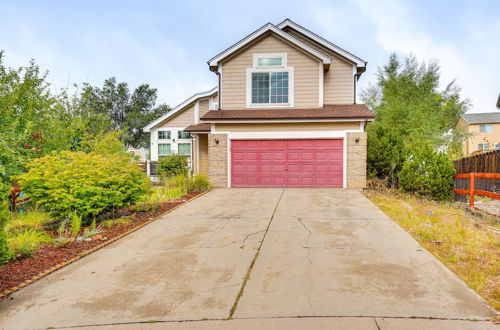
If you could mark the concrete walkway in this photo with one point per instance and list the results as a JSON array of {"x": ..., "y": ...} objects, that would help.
[{"x": 268, "y": 258}]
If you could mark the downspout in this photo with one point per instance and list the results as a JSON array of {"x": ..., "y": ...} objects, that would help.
[{"x": 216, "y": 71}]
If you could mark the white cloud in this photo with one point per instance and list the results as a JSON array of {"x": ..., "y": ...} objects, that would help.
[{"x": 397, "y": 28}]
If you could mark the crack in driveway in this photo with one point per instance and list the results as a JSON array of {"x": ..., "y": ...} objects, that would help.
[{"x": 249, "y": 271}]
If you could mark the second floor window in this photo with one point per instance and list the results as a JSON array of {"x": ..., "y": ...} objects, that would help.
[
  {"x": 270, "y": 81},
  {"x": 183, "y": 135},
  {"x": 163, "y": 135},
  {"x": 486, "y": 128},
  {"x": 270, "y": 87}
]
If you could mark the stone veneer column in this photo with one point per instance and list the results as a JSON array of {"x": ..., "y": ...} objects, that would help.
[
  {"x": 356, "y": 160},
  {"x": 217, "y": 159}
]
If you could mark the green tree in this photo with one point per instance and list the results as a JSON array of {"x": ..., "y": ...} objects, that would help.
[
  {"x": 410, "y": 111},
  {"x": 407, "y": 100},
  {"x": 129, "y": 112},
  {"x": 29, "y": 127}
]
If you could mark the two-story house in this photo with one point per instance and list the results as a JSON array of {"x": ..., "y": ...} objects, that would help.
[
  {"x": 284, "y": 114},
  {"x": 483, "y": 131}
]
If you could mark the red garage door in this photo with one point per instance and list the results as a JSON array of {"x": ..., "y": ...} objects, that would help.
[{"x": 286, "y": 163}]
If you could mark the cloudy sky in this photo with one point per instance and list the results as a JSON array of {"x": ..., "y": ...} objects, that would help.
[{"x": 167, "y": 43}]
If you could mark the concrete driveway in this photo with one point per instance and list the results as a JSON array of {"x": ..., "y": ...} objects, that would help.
[{"x": 268, "y": 258}]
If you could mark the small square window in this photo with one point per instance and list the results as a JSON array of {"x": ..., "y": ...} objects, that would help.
[
  {"x": 163, "y": 135},
  {"x": 183, "y": 135}
]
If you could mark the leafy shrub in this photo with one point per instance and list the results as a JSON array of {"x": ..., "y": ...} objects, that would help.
[
  {"x": 428, "y": 173},
  {"x": 385, "y": 154},
  {"x": 24, "y": 243},
  {"x": 34, "y": 219},
  {"x": 5, "y": 254},
  {"x": 172, "y": 165},
  {"x": 84, "y": 184},
  {"x": 198, "y": 183}
]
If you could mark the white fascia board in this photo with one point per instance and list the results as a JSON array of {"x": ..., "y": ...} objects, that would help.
[
  {"x": 214, "y": 61},
  {"x": 179, "y": 108},
  {"x": 359, "y": 62}
]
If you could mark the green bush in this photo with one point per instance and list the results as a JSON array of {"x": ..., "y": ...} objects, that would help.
[
  {"x": 385, "y": 154},
  {"x": 34, "y": 219},
  {"x": 428, "y": 173},
  {"x": 24, "y": 243},
  {"x": 198, "y": 183},
  {"x": 172, "y": 165},
  {"x": 84, "y": 184}
]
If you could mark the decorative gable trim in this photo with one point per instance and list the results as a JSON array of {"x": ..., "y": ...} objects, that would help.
[
  {"x": 215, "y": 61},
  {"x": 179, "y": 108},
  {"x": 288, "y": 23}
]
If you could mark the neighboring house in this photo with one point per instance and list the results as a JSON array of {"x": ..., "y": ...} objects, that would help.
[
  {"x": 284, "y": 114},
  {"x": 483, "y": 131}
]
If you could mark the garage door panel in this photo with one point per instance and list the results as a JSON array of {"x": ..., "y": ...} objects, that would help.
[{"x": 287, "y": 163}]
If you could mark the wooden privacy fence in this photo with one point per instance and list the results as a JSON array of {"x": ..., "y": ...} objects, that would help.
[
  {"x": 477, "y": 175},
  {"x": 488, "y": 162}
]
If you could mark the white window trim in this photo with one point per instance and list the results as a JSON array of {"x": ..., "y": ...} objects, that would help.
[
  {"x": 284, "y": 60},
  {"x": 270, "y": 105},
  {"x": 174, "y": 141}
]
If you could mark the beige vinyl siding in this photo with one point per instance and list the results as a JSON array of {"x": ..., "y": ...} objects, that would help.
[
  {"x": 287, "y": 127},
  {"x": 203, "y": 108},
  {"x": 306, "y": 76},
  {"x": 339, "y": 80},
  {"x": 476, "y": 137},
  {"x": 203, "y": 153},
  {"x": 183, "y": 119}
]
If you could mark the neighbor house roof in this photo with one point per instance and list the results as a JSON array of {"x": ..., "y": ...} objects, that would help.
[
  {"x": 198, "y": 128},
  {"x": 180, "y": 107},
  {"x": 330, "y": 111},
  {"x": 214, "y": 61},
  {"x": 322, "y": 41},
  {"x": 482, "y": 118}
]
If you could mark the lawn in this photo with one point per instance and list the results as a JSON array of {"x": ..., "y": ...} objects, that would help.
[{"x": 467, "y": 244}]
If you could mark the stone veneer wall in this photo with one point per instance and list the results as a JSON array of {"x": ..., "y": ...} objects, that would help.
[
  {"x": 217, "y": 160},
  {"x": 356, "y": 160}
]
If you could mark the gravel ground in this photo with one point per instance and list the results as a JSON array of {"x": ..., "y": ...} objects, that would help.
[{"x": 492, "y": 207}]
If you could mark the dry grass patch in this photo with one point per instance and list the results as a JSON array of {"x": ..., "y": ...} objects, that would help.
[{"x": 464, "y": 242}]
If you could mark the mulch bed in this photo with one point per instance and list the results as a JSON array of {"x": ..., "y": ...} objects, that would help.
[{"x": 16, "y": 272}]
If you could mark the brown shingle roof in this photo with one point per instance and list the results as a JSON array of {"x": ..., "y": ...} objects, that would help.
[
  {"x": 330, "y": 111},
  {"x": 198, "y": 128}
]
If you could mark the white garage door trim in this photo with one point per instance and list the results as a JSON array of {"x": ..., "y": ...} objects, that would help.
[{"x": 286, "y": 135}]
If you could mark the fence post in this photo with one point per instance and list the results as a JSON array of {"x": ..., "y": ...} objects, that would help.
[
  {"x": 148, "y": 168},
  {"x": 471, "y": 187}
]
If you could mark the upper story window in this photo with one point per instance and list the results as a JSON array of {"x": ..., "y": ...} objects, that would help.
[
  {"x": 164, "y": 135},
  {"x": 486, "y": 128},
  {"x": 269, "y": 81},
  {"x": 183, "y": 135}
]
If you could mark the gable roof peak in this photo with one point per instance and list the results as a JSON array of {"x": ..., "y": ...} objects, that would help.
[
  {"x": 360, "y": 63},
  {"x": 214, "y": 61}
]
